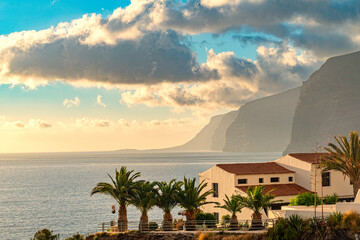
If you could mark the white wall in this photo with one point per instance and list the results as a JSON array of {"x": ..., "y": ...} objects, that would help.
[
  {"x": 254, "y": 179},
  {"x": 302, "y": 170}
]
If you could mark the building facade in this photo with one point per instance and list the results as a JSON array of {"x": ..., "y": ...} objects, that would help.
[{"x": 286, "y": 177}]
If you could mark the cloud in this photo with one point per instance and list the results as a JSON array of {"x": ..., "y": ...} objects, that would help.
[
  {"x": 86, "y": 122},
  {"x": 38, "y": 123},
  {"x": 99, "y": 101},
  {"x": 68, "y": 103}
]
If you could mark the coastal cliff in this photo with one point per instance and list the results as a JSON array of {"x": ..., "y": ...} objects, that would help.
[
  {"x": 263, "y": 125},
  {"x": 329, "y": 104}
]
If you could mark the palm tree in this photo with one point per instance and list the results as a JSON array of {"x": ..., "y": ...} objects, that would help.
[
  {"x": 256, "y": 201},
  {"x": 166, "y": 198},
  {"x": 191, "y": 198},
  {"x": 233, "y": 206},
  {"x": 144, "y": 199},
  {"x": 120, "y": 189},
  {"x": 344, "y": 158}
]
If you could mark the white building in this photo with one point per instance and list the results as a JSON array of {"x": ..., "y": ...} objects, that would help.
[{"x": 288, "y": 176}]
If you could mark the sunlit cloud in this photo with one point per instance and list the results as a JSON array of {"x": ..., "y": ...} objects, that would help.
[
  {"x": 99, "y": 101},
  {"x": 68, "y": 103}
]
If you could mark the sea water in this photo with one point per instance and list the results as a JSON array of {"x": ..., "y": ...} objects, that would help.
[{"x": 52, "y": 190}]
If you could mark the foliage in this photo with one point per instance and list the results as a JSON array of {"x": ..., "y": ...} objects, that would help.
[
  {"x": 305, "y": 199},
  {"x": 76, "y": 237},
  {"x": 122, "y": 186},
  {"x": 225, "y": 219},
  {"x": 256, "y": 200},
  {"x": 207, "y": 218},
  {"x": 232, "y": 205},
  {"x": 335, "y": 219},
  {"x": 167, "y": 194},
  {"x": 351, "y": 220},
  {"x": 192, "y": 197},
  {"x": 143, "y": 196},
  {"x": 153, "y": 226},
  {"x": 331, "y": 199},
  {"x": 287, "y": 229},
  {"x": 345, "y": 158},
  {"x": 44, "y": 234}
]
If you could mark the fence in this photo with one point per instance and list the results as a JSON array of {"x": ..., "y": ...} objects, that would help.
[{"x": 183, "y": 225}]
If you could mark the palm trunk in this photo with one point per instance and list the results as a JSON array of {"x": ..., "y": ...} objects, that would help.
[
  {"x": 234, "y": 222},
  {"x": 356, "y": 187},
  {"x": 256, "y": 222},
  {"x": 167, "y": 221},
  {"x": 144, "y": 222},
  {"x": 122, "y": 219},
  {"x": 190, "y": 221}
]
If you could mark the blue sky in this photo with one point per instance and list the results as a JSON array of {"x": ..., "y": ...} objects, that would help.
[{"x": 150, "y": 74}]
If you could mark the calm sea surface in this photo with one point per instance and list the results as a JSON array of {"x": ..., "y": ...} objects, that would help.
[{"x": 52, "y": 190}]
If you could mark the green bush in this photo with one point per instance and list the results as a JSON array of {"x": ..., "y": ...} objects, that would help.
[
  {"x": 331, "y": 199},
  {"x": 153, "y": 226},
  {"x": 288, "y": 229},
  {"x": 304, "y": 199},
  {"x": 335, "y": 219},
  {"x": 76, "y": 237},
  {"x": 44, "y": 234},
  {"x": 207, "y": 218},
  {"x": 225, "y": 219}
]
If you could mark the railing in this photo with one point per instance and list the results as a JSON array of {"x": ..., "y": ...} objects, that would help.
[{"x": 183, "y": 225}]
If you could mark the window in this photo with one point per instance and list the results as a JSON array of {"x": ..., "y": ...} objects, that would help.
[
  {"x": 326, "y": 179},
  {"x": 274, "y": 179},
  {"x": 290, "y": 179},
  {"x": 261, "y": 180},
  {"x": 216, "y": 217},
  {"x": 216, "y": 190},
  {"x": 242, "y": 181}
]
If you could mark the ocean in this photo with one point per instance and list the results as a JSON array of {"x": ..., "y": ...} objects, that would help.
[{"x": 52, "y": 190}]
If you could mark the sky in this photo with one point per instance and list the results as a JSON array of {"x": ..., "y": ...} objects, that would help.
[{"x": 106, "y": 75}]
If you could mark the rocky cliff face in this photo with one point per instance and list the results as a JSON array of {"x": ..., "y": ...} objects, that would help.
[
  {"x": 329, "y": 104},
  {"x": 211, "y": 137},
  {"x": 263, "y": 125}
]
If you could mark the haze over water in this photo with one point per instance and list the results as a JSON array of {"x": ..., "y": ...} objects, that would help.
[{"x": 52, "y": 190}]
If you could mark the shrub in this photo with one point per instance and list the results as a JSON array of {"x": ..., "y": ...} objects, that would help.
[
  {"x": 331, "y": 199},
  {"x": 76, "y": 237},
  {"x": 304, "y": 199},
  {"x": 287, "y": 229},
  {"x": 225, "y": 219},
  {"x": 335, "y": 219},
  {"x": 153, "y": 226},
  {"x": 207, "y": 218},
  {"x": 351, "y": 220},
  {"x": 44, "y": 234}
]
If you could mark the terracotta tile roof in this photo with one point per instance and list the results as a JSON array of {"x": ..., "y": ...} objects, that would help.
[
  {"x": 254, "y": 168},
  {"x": 280, "y": 189},
  {"x": 313, "y": 158}
]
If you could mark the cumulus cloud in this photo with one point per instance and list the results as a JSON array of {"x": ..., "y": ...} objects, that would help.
[
  {"x": 68, "y": 103},
  {"x": 99, "y": 101},
  {"x": 38, "y": 123},
  {"x": 86, "y": 122},
  {"x": 145, "y": 50}
]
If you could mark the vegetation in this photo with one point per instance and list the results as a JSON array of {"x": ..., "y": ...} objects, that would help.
[
  {"x": 225, "y": 219},
  {"x": 331, "y": 199},
  {"x": 305, "y": 199},
  {"x": 233, "y": 206},
  {"x": 166, "y": 198},
  {"x": 191, "y": 198},
  {"x": 143, "y": 198},
  {"x": 205, "y": 218},
  {"x": 345, "y": 158},
  {"x": 121, "y": 189},
  {"x": 45, "y": 234},
  {"x": 153, "y": 226},
  {"x": 76, "y": 237},
  {"x": 256, "y": 200}
]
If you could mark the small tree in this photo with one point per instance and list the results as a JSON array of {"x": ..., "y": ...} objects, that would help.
[
  {"x": 44, "y": 234},
  {"x": 233, "y": 206},
  {"x": 256, "y": 200},
  {"x": 191, "y": 198},
  {"x": 305, "y": 199}
]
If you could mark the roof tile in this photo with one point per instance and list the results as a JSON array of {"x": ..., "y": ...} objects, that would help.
[{"x": 254, "y": 168}]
